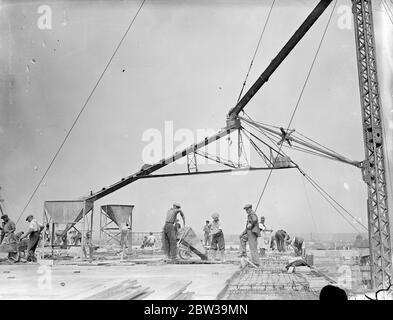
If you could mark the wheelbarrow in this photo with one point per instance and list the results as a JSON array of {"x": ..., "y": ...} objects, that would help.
[
  {"x": 15, "y": 250},
  {"x": 189, "y": 243}
]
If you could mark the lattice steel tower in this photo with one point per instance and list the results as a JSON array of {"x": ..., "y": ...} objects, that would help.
[{"x": 374, "y": 173}]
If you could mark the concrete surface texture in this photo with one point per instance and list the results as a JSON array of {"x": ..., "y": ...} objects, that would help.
[{"x": 32, "y": 281}]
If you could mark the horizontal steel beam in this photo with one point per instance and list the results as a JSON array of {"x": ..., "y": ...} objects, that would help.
[
  {"x": 212, "y": 172},
  {"x": 145, "y": 171}
]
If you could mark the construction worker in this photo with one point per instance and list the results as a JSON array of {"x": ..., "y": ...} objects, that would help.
[
  {"x": 264, "y": 240},
  {"x": 151, "y": 240},
  {"x": 297, "y": 243},
  {"x": 177, "y": 226},
  {"x": 34, "y": 235},
  {"x": 206, "y": 233},
  {"x": 8, "y": 229},
  {"x": 281, "y": 239},
  {"x": 9, "y": 234},
  {"x": 169, "y": 242},
  {"x": 217, "y": 242},
  {"x": 124, "y": 227},
  {"x": 88, "y": 247},
  {"x": 250, "y": 235},
  {"x": 2, "y": 231}
]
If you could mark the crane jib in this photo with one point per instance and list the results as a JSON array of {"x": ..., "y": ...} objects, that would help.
[{"x": 292, "y": 42}]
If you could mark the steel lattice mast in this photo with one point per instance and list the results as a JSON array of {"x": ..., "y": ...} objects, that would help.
[{"x": 374, "y": 173}]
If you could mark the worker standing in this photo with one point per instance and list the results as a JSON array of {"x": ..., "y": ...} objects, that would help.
[
  {"x": 264, "y": 240},
  {"x": 206, "y": 233},
  {"x": 34, "y": 235},
  {"x": 177, "y": 226},
  {"x": 169, "y": 242},
  {"x": 218, "y": 242},
  {"x": 250, "y": 235}
]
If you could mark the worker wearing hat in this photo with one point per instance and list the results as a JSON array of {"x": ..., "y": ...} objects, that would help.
[
  {"x": 169, "y": 242},
  {"x": 8, "y": 229},
  {"x": 2, "y": 229},
  {"x": 218, "y": 242},
  {"x": 34, "y": 231},
  {"x": 264, "y": 240},
  {"x": 250, "y": 235}
]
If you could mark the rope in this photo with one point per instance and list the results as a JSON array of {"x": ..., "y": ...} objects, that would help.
[
  {"x": 300, "y": 96},
  {"x": 80, "y": 112},
  {"x": 388, "y": 11},
  {"x": 256, "y": 50},
  {"x": 309, "y": 205},
  {"x": 315, "y": 184}
]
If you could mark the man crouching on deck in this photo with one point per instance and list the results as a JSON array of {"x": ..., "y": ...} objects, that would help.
[{"x": 169, "y": 242}]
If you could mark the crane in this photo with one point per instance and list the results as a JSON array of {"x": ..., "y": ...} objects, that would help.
[{"x": 373, "y": 167}]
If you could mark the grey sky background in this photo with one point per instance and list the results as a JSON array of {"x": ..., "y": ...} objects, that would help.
[{"x": 183, "y": 61}]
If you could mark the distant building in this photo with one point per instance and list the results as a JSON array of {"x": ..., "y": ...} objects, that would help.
[{"x": 360, "y": 243}]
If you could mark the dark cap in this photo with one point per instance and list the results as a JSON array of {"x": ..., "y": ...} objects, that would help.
[
  {"x": 30, "y": 215},
  {"x": 4, "y": 216}
]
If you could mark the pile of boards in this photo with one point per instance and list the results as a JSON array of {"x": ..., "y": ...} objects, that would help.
[{"x": 131, "y": 290}]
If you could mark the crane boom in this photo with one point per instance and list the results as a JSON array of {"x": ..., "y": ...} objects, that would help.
[
  {"x": 374, "y": 173},
  {"x": 280, "y": 57},
  {"x": 231, "y": 126}
]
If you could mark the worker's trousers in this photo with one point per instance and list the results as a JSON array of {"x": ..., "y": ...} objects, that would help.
[
  {"x": 34, "y": 237},
  {"x": 252, "y": 240},
  {"x": 169, "y": 243},
  {"x": 207, "y": 239},
  {"x": 280, "y": 242}
]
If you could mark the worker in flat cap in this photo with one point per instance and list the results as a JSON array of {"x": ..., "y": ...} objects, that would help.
[
  {"x": 250, "y": 235},
  {"x": 169, "y": 242},
  {"x": 8, "y": 235},
  {"x": 33, "y": 233},
  {"x": 8, "y": 229},
  {"x": 218, "y": 242}
]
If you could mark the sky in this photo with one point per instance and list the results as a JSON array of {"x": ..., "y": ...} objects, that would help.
[{"x": 183, "y": 63}]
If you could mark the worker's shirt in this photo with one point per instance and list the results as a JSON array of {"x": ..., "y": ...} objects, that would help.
[
  {"x": 252, "y": 221},
  {"x": 34, "y": 225},
  {"x": 262, "y": 226},
  {"x": 298, "y": 242},
  {"x": 171, "y": 215},
  {"x": 124, "y": 229},
  {"x": 215, "y": 227},
  {"x": 9, "y": 227},
  {"x": 151, "y": 239},
  {"x": 206, "y": 229}
]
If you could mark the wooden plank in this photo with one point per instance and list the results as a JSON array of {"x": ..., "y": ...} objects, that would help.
[
  {"x": 104, "y": 291},
  {"x": 185, "y": 296},
  {"x": 143, "y": 295},
  {"x": 131, "y": 294},
  {"x": 171, "y": 291}
]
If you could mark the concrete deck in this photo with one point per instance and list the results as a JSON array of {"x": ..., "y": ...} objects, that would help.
[{"x": 40, "y": 282}]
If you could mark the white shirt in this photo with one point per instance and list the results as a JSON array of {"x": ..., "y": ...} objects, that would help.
[
  {"x": 34, "y": 225},
  {"x": 262, "y": 226},
  {"x": 215, "y": 226}
]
